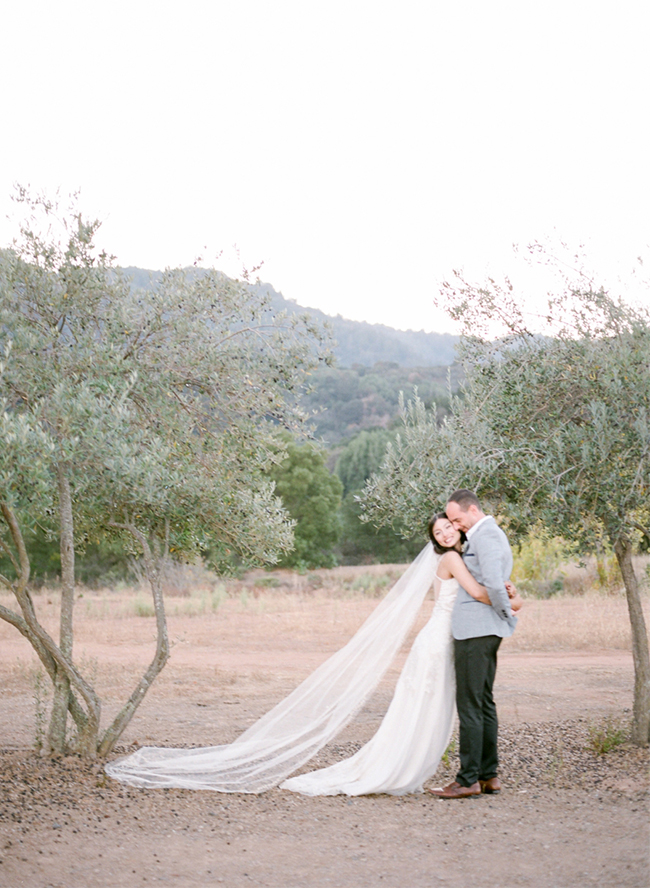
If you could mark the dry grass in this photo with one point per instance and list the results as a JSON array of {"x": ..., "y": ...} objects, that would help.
[
  {"x": 318, "y": 608},
  {"x": 602, "y": 576},
  {"x": 590, "y": 622},
  {"x": 246, "y": 643}
]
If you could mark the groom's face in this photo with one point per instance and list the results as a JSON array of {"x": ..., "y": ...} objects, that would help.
[{"x": 460, "y": 519}]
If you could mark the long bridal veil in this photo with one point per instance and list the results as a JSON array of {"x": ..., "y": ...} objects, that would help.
[{"x": 301, "y": 724}]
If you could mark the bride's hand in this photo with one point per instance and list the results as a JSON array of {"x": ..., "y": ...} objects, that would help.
[{"x": 511, "y": 589}]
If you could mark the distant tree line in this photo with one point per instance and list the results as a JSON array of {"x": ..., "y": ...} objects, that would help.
[{"x": 345, "y": 401}]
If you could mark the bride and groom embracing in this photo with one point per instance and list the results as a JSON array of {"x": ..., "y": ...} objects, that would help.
[{"x": 451, "y": 666}]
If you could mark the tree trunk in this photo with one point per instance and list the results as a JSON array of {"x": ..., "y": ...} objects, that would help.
[
  {"x": 57, "y": 729},
  {"x": 49, "y": 653},
  {"x": 114, "y": 731},
  {"x": 640, "y": 652}
]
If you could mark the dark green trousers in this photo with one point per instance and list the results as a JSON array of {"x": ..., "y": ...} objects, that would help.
[{"x": 476, "y": 665}]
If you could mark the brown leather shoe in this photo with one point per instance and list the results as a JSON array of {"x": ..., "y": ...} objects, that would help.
[
  {"x": 457, "y": 791},
  {"x": 491, "y": 786}
]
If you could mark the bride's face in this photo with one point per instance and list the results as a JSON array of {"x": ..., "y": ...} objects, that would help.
[{"x": 445, "y": 534}]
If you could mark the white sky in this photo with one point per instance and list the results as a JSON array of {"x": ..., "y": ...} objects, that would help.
[{"x": 361, "y": 149}]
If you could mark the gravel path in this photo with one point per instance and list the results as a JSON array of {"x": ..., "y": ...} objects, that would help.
[{"x": 567, "y": 817}]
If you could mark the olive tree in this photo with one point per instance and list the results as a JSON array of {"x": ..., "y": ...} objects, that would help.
[
  {"x": 146, "y": 413},
  {"x": 552, "y": 428}
]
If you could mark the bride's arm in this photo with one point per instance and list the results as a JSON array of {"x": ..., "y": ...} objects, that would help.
[{"x": 451, "y": 563}]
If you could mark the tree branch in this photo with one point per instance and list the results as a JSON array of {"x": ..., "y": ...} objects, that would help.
[
  {"x": 115, "y": 729},
  {"x": 644, "y": 530}
]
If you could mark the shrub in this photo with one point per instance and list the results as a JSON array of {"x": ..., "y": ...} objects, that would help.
[
  {"x": 606, "y": 736},
  {"x": 538, "y": 562}
]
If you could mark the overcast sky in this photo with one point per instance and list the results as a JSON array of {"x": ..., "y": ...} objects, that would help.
[{"x": 361, "y": 150}]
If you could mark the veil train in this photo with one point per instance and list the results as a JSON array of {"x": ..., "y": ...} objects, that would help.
[{"x": 296, "y": 728}]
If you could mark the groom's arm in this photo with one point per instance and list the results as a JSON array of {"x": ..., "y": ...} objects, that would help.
[{"x": 488, "y": 549}]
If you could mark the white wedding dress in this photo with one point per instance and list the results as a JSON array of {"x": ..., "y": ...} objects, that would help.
[
  {"x": 416, "y": 729},
  {"x": 403, "y": 754}
]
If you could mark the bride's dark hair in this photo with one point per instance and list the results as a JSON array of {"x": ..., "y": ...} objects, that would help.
[{"x": 437, "y": 548}]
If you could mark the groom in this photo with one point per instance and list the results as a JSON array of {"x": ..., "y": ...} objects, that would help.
[{"x": 477, "y": 630}]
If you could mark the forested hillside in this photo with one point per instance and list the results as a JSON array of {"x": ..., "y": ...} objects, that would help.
[
  {"x": 357, "y": 342},
  {"x": 346, "y": 401}
]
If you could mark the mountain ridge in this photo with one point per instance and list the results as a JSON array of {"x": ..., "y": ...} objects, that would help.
[{"x": 357, "y": 342}]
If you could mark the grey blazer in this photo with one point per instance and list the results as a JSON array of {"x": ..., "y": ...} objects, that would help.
[{"x": 488, "y": 557}]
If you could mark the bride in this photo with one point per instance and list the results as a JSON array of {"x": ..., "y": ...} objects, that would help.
[{"x": 413, "y": 735}]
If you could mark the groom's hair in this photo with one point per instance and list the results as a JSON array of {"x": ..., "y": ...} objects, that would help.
[{"x": 464, "y": 498}]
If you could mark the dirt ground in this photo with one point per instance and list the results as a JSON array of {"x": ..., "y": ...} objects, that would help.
[{"x": 566, "y": 817}]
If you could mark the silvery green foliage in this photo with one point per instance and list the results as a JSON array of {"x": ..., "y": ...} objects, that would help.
[
  {"x": 547, "y": 427},
  {"x": 162, "y": 403},
  {"x": 420, "y": 468},
  {"x": 148, "y": 413},
  {"x": 552, "y": 428}
]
